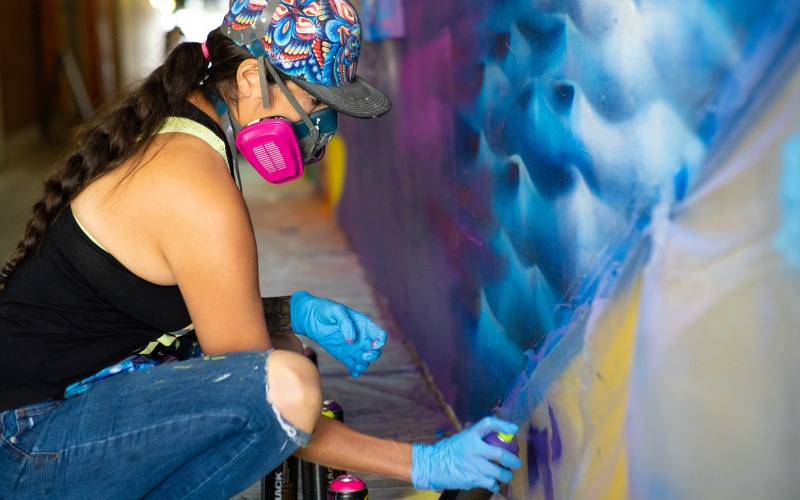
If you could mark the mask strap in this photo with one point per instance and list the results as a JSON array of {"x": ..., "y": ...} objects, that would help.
[
  {"x": 313, "y": 130},
  {"x": 262, "y": 79},
  {"x": 251, "y": 37},
  {"x": 228, "y": 123}
]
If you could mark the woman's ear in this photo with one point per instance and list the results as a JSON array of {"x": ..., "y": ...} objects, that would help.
[{"x": 247, "y": 79}]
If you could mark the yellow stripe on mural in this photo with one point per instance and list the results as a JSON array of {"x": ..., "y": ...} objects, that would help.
[
  {"x": 580, "y": 424},
  {"x": 333, "y": 169}
]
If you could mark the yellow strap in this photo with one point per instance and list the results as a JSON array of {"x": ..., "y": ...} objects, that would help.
[
  {"x": 184, "y": 125},
  {"x": 187, "y": 126},
  {"x": 87, "y": 233}
]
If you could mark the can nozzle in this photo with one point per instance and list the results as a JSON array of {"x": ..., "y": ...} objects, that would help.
[
  {"x": 505, "y": 437},
  {"x": 505, "y": 441}
]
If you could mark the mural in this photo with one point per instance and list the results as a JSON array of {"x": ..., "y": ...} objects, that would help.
[{"x": 518, "y": 205}]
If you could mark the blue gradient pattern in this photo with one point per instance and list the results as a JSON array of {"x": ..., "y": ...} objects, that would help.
[{"x": 530, "y": 142}]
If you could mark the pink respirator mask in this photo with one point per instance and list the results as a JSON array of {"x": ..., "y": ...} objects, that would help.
[{"x": 277, "y": 148}]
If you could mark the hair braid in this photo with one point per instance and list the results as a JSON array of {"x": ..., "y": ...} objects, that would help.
[{"x": 122, "y": 130}]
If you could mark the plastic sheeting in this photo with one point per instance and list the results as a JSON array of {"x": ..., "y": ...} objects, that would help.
[
  {"x": 714, "y": 401},
  {"x": 574, "y": 445},
  {"x": 682, "y": 380}
]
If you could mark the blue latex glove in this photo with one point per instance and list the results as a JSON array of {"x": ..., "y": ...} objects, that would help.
[
  {"x": 349, "y": 336},
  {"x": 464, "y": 461}
]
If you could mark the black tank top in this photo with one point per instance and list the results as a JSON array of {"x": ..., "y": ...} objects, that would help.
[{"x": 72, "y": 309}]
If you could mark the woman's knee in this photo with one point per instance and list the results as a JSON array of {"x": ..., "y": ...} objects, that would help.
[{"x": 294, "y": 389}]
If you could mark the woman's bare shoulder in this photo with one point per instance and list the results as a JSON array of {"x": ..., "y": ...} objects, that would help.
[
  {"x": 187, "y": 174},
  {"x": 189, "y": 182},
  {"x": 152, "y": 209}
]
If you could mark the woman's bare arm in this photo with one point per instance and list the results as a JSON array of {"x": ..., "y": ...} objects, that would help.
[
  {"x": 279, "y": 324},
  {"x": 204, "y": 232},
  {"x": 287, "y": 342},
  {"x": 337, "y": 446}
]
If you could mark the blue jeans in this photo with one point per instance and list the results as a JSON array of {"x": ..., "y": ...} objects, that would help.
[{"x": 198, "y": 429}]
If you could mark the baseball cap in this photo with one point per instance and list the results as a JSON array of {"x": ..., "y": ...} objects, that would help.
[{"x": 315, "y": 43}]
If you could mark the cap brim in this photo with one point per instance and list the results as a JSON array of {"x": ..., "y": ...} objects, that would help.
[{"x": 359, "y": 99}]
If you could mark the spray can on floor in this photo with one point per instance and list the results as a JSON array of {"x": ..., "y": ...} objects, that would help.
[
  {"x": 316, "y": 478},
  {"x": 309, "y": 479},
  {"x": 509, "y": 443},
  {"x": 283, "y": 482},
  {"x": 347, "y": 487},
  {"x": 307, "y": 469},
  {"x": 325, "y": 475}
]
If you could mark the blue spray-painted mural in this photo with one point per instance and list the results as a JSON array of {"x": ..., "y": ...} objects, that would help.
[
  {"x": 553, "y": 188},
  {"x": 529, "y": 143}
]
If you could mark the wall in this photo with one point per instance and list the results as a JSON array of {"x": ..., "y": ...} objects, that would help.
[
  {"x": 19, "y": 65},
  {"x": 518, "y": 208},
  {"x": 36, "y": 38}
]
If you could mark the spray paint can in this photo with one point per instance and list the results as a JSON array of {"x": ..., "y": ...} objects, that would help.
[
  {"x": 324, "y": 475},
  {"x": 283, "y": 482},
  {"x": 509, "y": 443},
  {"x": 316, "y": 478},
  {"x": 347, "y": 487},
  {"x": 506, "y": 441},
  {"x": 332, "y": 409},
  {"x": 309, "y": 478}
]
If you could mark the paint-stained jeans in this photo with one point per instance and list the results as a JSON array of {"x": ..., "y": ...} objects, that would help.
[{"x": 198, "y": 429}]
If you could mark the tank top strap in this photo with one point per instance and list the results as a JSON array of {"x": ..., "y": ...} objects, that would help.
[{"x": 191, "y": 127}]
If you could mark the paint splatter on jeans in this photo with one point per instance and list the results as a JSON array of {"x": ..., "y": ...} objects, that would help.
[{"x": 129, "y": 365}]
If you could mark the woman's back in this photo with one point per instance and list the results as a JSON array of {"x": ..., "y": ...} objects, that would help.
[{"x": 75, "y": 307}]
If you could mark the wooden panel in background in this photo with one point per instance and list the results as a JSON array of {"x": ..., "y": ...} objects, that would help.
[{"x": 19, "y": 66}]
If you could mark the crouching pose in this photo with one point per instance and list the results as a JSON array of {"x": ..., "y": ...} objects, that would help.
[{"x": 143, "y": 236}]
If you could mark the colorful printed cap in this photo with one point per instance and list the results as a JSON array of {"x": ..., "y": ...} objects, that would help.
[{"x": 315, "y": 43}]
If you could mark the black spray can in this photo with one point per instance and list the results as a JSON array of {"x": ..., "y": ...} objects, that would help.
[
  {"x": 309, "y": 477},
  {"x": 308, "y": 471},
  {"x": 283, "y": 482},
  {"x": 347, "y": 487},
  {"x": 506, "y": 441},
  {"x": 316, "y": 478},
  {"x": 325, "y": 475}
]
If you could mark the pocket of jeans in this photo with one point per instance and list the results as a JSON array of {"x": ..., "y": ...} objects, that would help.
[{"x": 26, "y": 419}]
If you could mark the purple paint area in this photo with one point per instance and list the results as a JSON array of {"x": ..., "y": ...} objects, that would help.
[
  {"x": 400, "y": 198},
  {"x": 555, "y": 441},
  {"x": 538, "y": 462}
]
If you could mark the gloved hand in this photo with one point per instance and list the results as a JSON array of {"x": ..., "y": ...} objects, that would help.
[
  {"x": 463, "y": 461},
  {"x": 349, "y": 336}
]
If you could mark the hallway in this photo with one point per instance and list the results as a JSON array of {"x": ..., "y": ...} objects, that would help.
[{"x": 300, "y": 247}]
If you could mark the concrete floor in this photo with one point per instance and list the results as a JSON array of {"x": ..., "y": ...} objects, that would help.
[
  {"x": 21, "y": 177},
  {"x": 300, "y": 248}
]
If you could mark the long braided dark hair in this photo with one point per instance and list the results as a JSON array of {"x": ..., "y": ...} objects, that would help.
[{"x": 124, "y": 129}]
